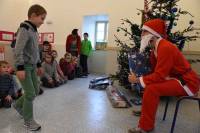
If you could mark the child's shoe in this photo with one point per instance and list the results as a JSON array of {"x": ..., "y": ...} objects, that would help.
[
  {"x": 1, "y": 103},
  {"x": 41, "y": 91},
  {"x": 136, "y": 112},
  {"x": 32, "y": 125}
]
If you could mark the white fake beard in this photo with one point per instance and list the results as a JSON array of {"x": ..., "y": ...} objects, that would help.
[{"x": 145, "y": 42}]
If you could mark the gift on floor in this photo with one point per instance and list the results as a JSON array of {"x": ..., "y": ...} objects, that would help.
[
  {"x": 117, "y": 99},
  {"x": 100, "y": 83}
]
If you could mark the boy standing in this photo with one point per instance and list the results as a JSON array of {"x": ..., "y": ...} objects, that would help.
[
  {"x": 27, "y": 61},
  {"x": 86, "y": 48}
]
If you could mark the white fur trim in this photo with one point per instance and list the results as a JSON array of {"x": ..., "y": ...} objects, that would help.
[
  {"x": 156, "y": 47},
  {"x": 188, "y": 91},
  {"x": 144, "y": 27},
  {"x": 185, "y": 87},
  {"x": 142, "y": 82}
]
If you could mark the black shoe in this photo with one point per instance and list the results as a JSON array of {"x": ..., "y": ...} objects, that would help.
[
  {"x": 56, "y": 84},
  {"x": 19, "y": 93},
  {"x": 1, "y": 103},
  {"x": 41, "y": 91},
  {"x": 84, "y": 75},
  {"x": 136, "y": 112}
]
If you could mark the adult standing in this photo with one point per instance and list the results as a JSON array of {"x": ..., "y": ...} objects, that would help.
[{"x": 73, "y": 43}]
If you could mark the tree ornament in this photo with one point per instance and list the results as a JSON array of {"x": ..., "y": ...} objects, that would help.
[
  {"x": 191, "y": 22},
  {"x": 175, "y": 24},
  {"x": 174, "y": 10}
]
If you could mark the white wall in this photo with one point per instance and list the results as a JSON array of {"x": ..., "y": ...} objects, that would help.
[
  {"x": 70, "y": 14},
  {"x": 89, "y": 24},
  {"x": 104, "y": 62},
  {"x": 12, "y": 12},
  {"x": 67, "y": 14}
]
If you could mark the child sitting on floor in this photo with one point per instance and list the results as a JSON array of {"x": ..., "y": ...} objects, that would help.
[
  {"x": 45, "y": 48},
  {"x": 17, "y": 84},
  {"x": 78, "y": 70},
  {"x": 50, "y": 78},
  {"x": 7, "y": 90},
  {"x": 62, "y": 77},
  {"x": 67, "y": 66}
]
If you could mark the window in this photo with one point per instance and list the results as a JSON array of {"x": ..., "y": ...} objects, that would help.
[
  {"x": 101, "y": 32},
  {"x": 97, "y": 28}
]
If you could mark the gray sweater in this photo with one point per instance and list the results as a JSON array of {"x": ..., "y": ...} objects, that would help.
[
  {"x": 26, "y": 49},
  {"x": 50, "y": 70}
]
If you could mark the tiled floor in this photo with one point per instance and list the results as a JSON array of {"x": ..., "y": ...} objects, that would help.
[{"x": 73, "y": 108}]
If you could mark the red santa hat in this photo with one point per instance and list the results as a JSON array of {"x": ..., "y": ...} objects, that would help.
[{"x": 156, "y": 27}]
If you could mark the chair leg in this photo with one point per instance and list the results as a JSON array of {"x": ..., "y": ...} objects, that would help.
[
  {"x": 199, "y": 105},
  {"x": 166, "y": 107},
  {"x": 175, "y": 115}
]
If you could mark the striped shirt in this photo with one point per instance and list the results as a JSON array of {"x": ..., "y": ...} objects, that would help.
[{"x": 6, "y": 84}]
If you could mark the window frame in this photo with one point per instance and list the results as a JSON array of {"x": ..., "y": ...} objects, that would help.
[{"x": 105, "y": 31}]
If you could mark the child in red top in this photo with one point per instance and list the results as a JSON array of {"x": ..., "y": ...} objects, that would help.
[
  {"x": 67, "y": 66},
  {"x": 73, "y": 43}
]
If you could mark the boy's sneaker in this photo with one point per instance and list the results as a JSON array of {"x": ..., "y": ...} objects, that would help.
[
  {"x": 84, "y": 75},
  {"x": 32, "y": 125},
  {"x": 19, "y": 110}
]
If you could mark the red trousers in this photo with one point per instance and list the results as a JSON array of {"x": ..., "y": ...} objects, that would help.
[{"x": 151, "y": 100}]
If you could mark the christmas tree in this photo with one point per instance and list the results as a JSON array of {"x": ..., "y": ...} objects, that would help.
[{"x": 167, "y": 10}]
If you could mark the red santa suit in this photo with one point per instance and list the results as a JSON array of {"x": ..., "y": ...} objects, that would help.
[{"x": 171, "y": 76}]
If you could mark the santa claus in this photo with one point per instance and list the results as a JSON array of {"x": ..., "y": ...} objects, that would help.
[{"x": 171, "y": 74}]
